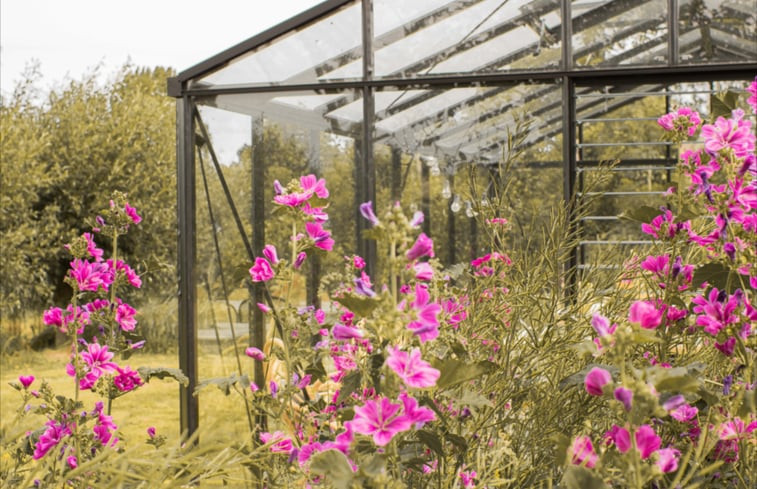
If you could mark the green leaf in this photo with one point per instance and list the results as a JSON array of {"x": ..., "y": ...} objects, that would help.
[
  {"x": 375, "y": 466},
  {"x": 359, "y": 304},
  {"x": 642, "y": 214},
  {"x": 225, "y": 383},
  {"x": 148, "y": 373},
  {"x": 333, "y": 465},
  {"x": 431, "y": 440},
  {"x": 577, "y": 477},
  {"x": 721, "y": 105},
  {"x": 474, "y": 399},
  {"x": 455, "y": 371},
  {"x": 457, "y": 440},
  {"x": 562, "y": 443},
  {"x": 715, "y": 274},
  {"x": 678, "y": 379},
  {"x": 350, "y": 384}
]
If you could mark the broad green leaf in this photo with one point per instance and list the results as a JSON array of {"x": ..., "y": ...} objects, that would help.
[
  {"x": 350, "y": 384},
  {"x": 431, "y": 440},
  {"x": 722, "y": 105},
  {"x": 360, "y": 305},
  {"x": 457, "y": 440},
  {"x": 225, "y": 383},
  {"x": 334, "y": 466},
  {"x": 455, "y": 371},
  {"x": 375, "y": 466},
  {"x": 641, "y": 214},
  {"x": 577, "y": 477},
  {"x": 677, "y": 379},
  {"x": 474, "y": 399},
  {"x": 717, "y": 275},
  {"x": 148, "y": 373}
]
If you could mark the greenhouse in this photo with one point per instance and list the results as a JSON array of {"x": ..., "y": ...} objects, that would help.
[{"x": 433, "y": 103}]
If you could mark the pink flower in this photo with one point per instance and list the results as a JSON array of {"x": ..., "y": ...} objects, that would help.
[
  {"x": 418, "y": 416},
  {"x": 625, "y": 396},
  {"x": 646, "y": 314},
  {"x": 667, "y": 459},
  {"x": 279, "y": 443},
  {"x": 753, "y": 99},
  {"x": 413, "y": 371},
  {"x": 358, "y": 262},
  {"x": 321, "y": 238},
  {"x": 131, "y": 275},
  {"x": 263, "y": 307},
  {"x": 423, "y": 246},
  {"x": 151, "y": 432},
  {"x": 380, "y": 419},
  {"x": 92, "y": 248},
  {"x": 313, "y": 185},
  {"x": 269, "y": 251},
  {"x": 647, "y": 441},
  {"x": 89, "y": 276},
  {"x": 341, "y": 332},
  {"x": 26, "y": 380},
  {"x": 426, "y": 325},
  {"x": 683, "y": 121},
  {"x": 125, "y": 317},
  {"x": 684, "y": 413},
  {"x": 416, "y": 220},
  {"x": 467, "y": 479},
  {"x": 299, "y": 260},
  {"x": 72, "y": 462},
  {"x": 602, "y": 325},
  {"x": 582, "y": 452},
  {"x": 261, "y": 271},
  {"x": 50, "y": 438},
  {"x": 132, "y": 213},
  {"x": 620, "y": 437},
  {"x": 255, "y": 353},
  {"x": 714, "y": 313},
  {"x": 97, "y": 362},
  {"x": 595, "y": 380},
  {"x": 733, "y": 133},
  {"x": 127, "y": 379},
  {"x": 423, "y": 271},
  {"x": 366, "y": 210}
]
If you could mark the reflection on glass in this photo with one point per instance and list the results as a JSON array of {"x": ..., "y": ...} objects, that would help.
[
  {"x": 717, "y": 30},
  {"x": 607, "y": 33}
]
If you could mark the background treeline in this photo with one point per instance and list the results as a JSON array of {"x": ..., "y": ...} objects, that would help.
[{"x": 63, "y": 153}]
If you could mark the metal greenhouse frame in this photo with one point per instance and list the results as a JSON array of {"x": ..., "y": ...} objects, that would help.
[{"x": 435, "y": 73}]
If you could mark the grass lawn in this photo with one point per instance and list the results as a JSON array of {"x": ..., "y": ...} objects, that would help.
[{"x": 154, "y": 404}]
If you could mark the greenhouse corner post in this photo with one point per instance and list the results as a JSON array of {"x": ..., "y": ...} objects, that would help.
[
  {"x": 570, "y": 277},
  {"x": 369, "y": 107},
  {"x": 185, "y": 159}
]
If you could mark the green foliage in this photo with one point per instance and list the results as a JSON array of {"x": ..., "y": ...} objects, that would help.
[{"x": 63, "y": 157}]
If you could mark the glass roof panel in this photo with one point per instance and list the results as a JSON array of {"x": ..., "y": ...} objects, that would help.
[
  {"x": 300, "y": 56},
  {"x": 718, "y": 30},
  {"x": 465, "y": 36},
  {"x": 619, "y": 32}
]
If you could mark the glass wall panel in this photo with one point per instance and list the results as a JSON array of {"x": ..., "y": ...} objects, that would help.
[
  {"x": 445, "y": 151},
  {"x": 617, "y": 125},
  {"x": 615, "y": 33},
  {"x": 717, "y": 31},
  {"x": 319, "y": 52},
  {"x": 250, "y": 142},
  {"x": 429, "y": 37}
]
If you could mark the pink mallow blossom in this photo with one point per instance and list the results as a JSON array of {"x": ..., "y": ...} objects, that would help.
[
  {"x": 413, "y": 371},
  {"x": 595, "y": 380},
  {"x": 26, "y": 380},
  {"x": 667, "y": 459},
  {"x": 646, "y": 314},
  {"x": 647, "y": 441},
  {"x": 127, "y": 379},
  {"x": 734, "y": 133},
  {"x": 50, "y": 438},
  {"x": 620, "y": 437},
  {"x": 714, "y": 313},
  {"x": 261, "y": 271},
  {"x": 97, "y": 363},
  {"x": 279, "y": 443},
  {"x": 582, "y": 452},
  {"x": 426, "y": 324},
  {"x": 125, "y": 317},
  {"x": 255, "y": 353},
  {"x": 321, "y": 238},
  {"x": 132, "y": 213},
  {"x": 423, "y": 246},
  {"x": 752, "y": 100},
  {"x": 89, "y": 276},
  {"x": 380, "y": 419}
]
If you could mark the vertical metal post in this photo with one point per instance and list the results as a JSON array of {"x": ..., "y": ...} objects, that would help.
[
  {"x": 451, "y": 232},
  {"x": 673, "y": 32},
  {"x": 569, "y": 175},
  {"x": 566, "y": 32},
  {"x": 369, "y": 108},
  {"x": 426, "y": 196},
  {"x": 257, "y": 328},
  {"x": 314, "y": 261},
  {"x": 187, "y": 254},
  {"x": 396, "y": 174}
]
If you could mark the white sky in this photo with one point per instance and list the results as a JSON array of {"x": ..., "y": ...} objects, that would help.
[{"x": 70, "y": 37}]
